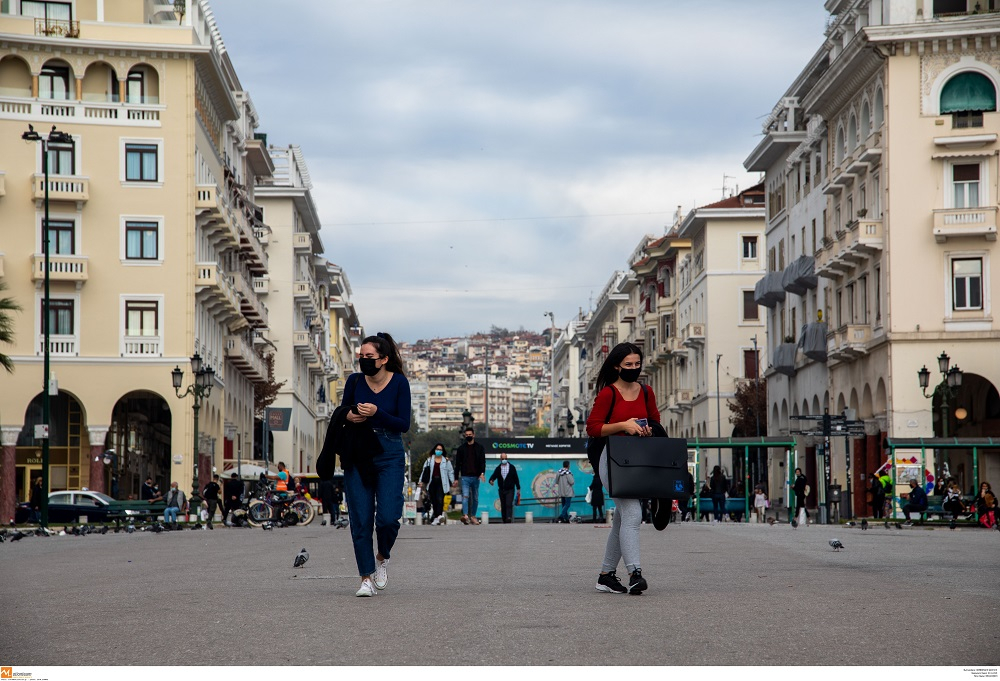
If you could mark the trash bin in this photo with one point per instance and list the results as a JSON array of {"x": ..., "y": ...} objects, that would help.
[{"x": 835, "y": 494}]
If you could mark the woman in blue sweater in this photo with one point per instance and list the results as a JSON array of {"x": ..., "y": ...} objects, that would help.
[{"x": 381, "y": 394}]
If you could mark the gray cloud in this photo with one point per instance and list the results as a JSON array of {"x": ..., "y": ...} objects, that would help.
[{"x": 472, "y": 109}]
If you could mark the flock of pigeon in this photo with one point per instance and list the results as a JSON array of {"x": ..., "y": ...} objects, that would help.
[{"x": 154, "y": 526}]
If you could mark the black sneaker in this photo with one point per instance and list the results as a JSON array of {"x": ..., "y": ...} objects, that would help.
[
  {"x": 610, "y": 583},
  {"x": 636, "y": 583}
]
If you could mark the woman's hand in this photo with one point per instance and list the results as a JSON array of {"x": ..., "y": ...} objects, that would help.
[
  {"x": 632, "y": 427},
  {"x": 367, "y": 409},
  {"x": 355, "y": 418}
]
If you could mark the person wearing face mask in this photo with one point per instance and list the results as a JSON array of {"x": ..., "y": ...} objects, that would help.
[
  {"x": 470, "y": 462},
  {"x": 510, "y": 486},
  {"x": 437, "y": 476},
  {"x": 176, "y": 503},
  {"x": 380, "y": 397},
  {"x": 622, "y": 406}
]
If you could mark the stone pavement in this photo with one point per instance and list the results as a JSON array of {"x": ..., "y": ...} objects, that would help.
[{"x": 505, "y": 595}]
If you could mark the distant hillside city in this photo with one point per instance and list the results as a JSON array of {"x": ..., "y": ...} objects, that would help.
[{"x": 506, "y": 372}]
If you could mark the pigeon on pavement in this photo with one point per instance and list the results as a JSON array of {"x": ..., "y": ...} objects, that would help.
[
  {"x": 835, "y": 543},
  {"x": 267, "y": 525},
  {"x": 770, "y": 521},
  {"x": 795, "y": 523},
  {"x": 301, "y": 558},
  {"x": 864, "y": 524},
  {"x": 898, "y": 526}
]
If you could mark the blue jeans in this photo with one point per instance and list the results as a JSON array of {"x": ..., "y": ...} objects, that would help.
[
  {"x": 376, "y": 509},
  {"x": 718, "y": 506},
  {"x": 470, "y": 495},
  {"x": 170, "y": 514},
  {"x": 566, "y": 503}
]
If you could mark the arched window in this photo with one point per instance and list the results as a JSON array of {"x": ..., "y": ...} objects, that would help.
[
  {"x": 879, "y": 109},
  {"x": 53, "y": 81},
  {"x": 852, "y": 133},
  {"x": 866, "y": 121},
  {"x": 838, "y": 150},
  {"x": 966, "y": 96}
]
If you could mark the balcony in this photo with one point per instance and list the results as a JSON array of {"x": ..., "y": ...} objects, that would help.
[
  {"x": 302, "y": 241},
  {"x": 22, "y": 106},
  {"x": 626, "y": 313},
  {"x": 262, "y": 285},
  {"x": 849, "y": 342},
  {"x": 307, "y": 293},
  {"x": 215, "y": 288},
  {"x": 142, "y": 346},
  {"x": 244, "y": 357},
  {"x": 324, "y": 410},
  {"x": 60, "y": 345},
  {"x": 303, "y": 342},
  {"x": 213, "y": 216},
  {"x": 693, "y": 335},
  {"x": 250, "y": 305},
  {"x": 251, "y": 247},
  {"x": 61, "y": 267},
  {"x": 57, "y": 28},
  {"x": 61, "y": 188},
  {"x": 950, "y": 223},
  {"x": 682, "y": 399},
  {"x": 864, "y": 239}
]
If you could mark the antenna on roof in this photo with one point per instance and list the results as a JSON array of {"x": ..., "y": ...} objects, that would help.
[{"x": 725, "y": 185}]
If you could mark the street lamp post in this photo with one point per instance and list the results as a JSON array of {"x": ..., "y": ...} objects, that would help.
[
  {"x": 581, "y": 426},
  {"x": 569, "y": 422},
  {"x": 110, "y": 456},
  {"x": 552, "y": 370},
  {"x": 201, "y": 389},
  {"x": 951, "y": 381},
  {"x": 59, "y": 138}
]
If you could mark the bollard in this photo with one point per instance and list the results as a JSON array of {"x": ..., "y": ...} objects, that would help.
[
  {"x": 529, "y": 517},
  {"x": 611, "y": 515},
  {"x": 485, "y": 518}
]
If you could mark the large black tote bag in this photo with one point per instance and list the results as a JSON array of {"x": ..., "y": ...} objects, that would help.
[{"x": 647, "y": 468}]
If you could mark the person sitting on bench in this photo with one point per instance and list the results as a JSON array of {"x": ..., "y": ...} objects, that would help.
[{"x": 917, "y": 502}]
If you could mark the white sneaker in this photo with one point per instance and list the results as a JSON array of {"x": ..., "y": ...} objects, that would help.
[
  {"x": 381, "y": 576},
  {"x": 436, "y": 521},
  {"x": 367, "y": 588}
]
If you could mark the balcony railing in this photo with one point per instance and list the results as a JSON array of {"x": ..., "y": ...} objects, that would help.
[
  {"x": 964, "y": 222},
  {"x": 58, "y": 28},
  {"x": 142, "y": 346},
  {"x": 302, "y": 241},
  {"x": 21, "y": 105},
  {"x": 694, "y": 334},
  {"x": 61, "y": 188},
  {"x": 627, "y": 313},
  {"x": 217, "y": 288},
  {"x": 61, "y": 267},
  {"x": 250, "y": 304},
  {"x": 61, "y": 345},
  {"x": 245, "y": 358},
  {"x": 261, "y": 285}
]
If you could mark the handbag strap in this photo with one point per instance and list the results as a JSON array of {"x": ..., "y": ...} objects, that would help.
[{"x": 607, "y": 419}]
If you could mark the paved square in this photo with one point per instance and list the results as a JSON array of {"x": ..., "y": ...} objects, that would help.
[{"x": 505, "y": 595}]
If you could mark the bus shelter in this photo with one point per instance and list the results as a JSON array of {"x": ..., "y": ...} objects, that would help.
[
  {"x": 701, "y": 445},
  {"x": 905, "y": 453}
]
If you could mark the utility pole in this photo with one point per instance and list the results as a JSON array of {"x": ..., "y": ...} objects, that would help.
[{"x": 552, "y": 371}]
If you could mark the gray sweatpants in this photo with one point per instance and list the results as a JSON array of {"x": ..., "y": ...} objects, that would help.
[{"x": 623, "y": 541}]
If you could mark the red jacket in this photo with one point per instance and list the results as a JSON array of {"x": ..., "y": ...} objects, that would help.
[{"x": 623, "y": 411}]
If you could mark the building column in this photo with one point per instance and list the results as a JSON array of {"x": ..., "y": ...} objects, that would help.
[
  {"x": 34, "y": 86},
  {"x": 8, "y": 472},
  {"x": 121, "y": 89},
  {"x": 79, "y": 89},
  {"x": 97, "y": 436}
]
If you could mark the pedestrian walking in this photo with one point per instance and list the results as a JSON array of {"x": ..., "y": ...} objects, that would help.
[
  {"x": 379, "y": 396},
  {"x": 211, "y": 495},
  {"x": 801, "y": 489},
  {"x": 597, "y": 500},
  {"x": 437, "y": 476},
  {"x": 759, "y": 503},
  {"x": 470, "y": 462},
  {"x": 564, "y": 490},
  {"x": 876, "y": 497},
  {"x": 36, "y": 500},
  {"x": 622, "y": 407},
  {"x": 718, "y": 485},
  {"x": 232, "y": 493},
  {"x": 509, "y": 486}
]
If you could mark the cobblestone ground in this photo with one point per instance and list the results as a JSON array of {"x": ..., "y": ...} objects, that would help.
[{"x": 505, "y": 595}]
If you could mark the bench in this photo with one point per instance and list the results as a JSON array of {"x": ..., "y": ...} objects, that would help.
[
  {"x": 934, "y": 507},
  {"x": 734, "y": 506}
]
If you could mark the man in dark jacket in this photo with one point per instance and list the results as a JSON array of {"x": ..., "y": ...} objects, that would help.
[
  {"x": 470, "y": 464},
  {"x": 506, "y": 474},
  {"x": 916, "y": 502},
  {"x": 799, "y": 486},
  {"x": 211, "y": 495},
  {"x": 232, "y": 496}
]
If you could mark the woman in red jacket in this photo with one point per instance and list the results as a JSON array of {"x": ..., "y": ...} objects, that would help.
[{"x": 622, "y": 406}]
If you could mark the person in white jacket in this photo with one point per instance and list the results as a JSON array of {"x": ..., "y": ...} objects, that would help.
[{"x": 437, "y": 476}]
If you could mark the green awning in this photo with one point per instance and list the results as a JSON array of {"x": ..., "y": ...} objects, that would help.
[{"x": 968, "y": 91}]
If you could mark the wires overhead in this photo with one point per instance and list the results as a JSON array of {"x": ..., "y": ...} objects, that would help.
[{"x": 475, "y": 220}]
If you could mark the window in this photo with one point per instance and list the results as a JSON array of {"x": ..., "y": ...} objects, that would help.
[
  {"x": 141, "y": 240},
  {"x": 62, "y": 237},
  {"x": 863, "y": 302},
  {"x": 53, "y": 82},
  {"x": 966, "y": 96},
  {"x": 850, "y": 304},
  {"x": 965, "y": 185},
  {"x": 750, "y": 311},
  {"x": 876, "y": 197},
  {"x": 57, "y": 11},
  {"x": 781, "y": 254},
  {"x": 749, "y": 248},
  {"x": 141, "y": 318},
  {"x": 62, "y": 158},
  {"x": 878, "y": 295},
  {"x": 949, "y": 7},
  {"x": 815, "y": 246},
  {"x": 750, "y": 364},
  {"x": 967, "y": 283},
  {"x": 141, "y": 162},
  {"x": 135, "y": 87},
  {"x": 60, "y": 317}
]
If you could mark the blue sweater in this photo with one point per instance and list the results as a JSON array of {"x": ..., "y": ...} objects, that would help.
[{"x": 393, "y": 402}]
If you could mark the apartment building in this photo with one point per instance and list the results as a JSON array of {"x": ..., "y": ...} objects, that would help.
[
  {"x": 491, "y": 393},
  {"x": 299, "y": 289},
  {"x": 154, "y": 235},
  {"x": 447, "y": 398},
  {"x": 888, "y": 138}
]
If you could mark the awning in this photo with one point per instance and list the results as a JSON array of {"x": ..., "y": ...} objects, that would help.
[{"x": 968, "y": 91}]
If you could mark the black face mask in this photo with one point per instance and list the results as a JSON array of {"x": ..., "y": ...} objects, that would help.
[
  {"x": 367, "y": 365},
  {"x": 469, "y": 438},
  {"x": 629, "y": 375}
]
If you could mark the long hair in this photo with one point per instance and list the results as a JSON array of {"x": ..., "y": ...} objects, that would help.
[
  {"x": 717, "y": 474},
  {"x": 443, "y": 449},
  {"x": 609, "y": 371},
  {"x": 386, "y": 347}
]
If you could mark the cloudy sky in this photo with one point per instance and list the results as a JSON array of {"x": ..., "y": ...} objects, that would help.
[{"x": 480, "y": 162}]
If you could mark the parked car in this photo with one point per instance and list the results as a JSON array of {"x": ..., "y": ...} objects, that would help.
[{"x": 67, "y": 506}]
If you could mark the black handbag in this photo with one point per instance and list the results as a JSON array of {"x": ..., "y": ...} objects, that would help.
[{"x": 647, "y": 468}]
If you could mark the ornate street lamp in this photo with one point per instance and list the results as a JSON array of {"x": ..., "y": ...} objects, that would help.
[
  {"x": 581, "y": 426},
  {"x": 951, "y": 381},
  {"x": 569, "y": 422},
  {"x": 59, "y": 138},
  {"x": 204, "y": 378}
]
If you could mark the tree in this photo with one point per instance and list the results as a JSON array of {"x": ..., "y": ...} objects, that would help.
[
  {"x": 536, "y": 431},
  {"x": 7, "y": 306},
  {"x": 749, "y": 404},
  {"x": 420, "y": 443},
  {"x": 266, "y": 393}
]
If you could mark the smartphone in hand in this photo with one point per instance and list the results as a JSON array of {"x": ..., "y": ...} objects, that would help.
[{"x": 642, "y": 422}]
